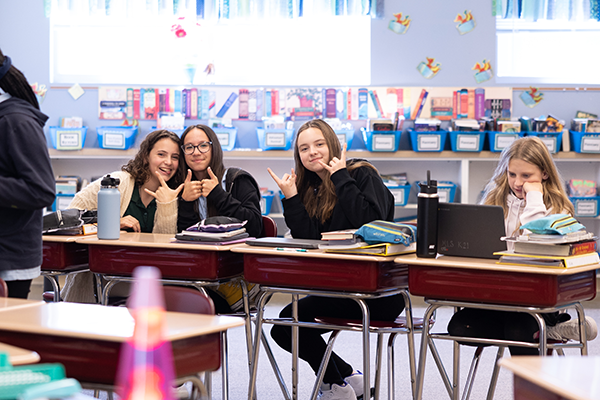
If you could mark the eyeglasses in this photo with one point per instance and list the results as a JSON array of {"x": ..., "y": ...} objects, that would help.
[{"x": 203, "y": 147}]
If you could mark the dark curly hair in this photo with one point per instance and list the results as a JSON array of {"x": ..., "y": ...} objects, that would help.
[{"x": 138, "y": 167}]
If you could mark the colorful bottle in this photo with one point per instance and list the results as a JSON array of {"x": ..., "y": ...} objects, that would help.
[{"x": 109, "y": 208}]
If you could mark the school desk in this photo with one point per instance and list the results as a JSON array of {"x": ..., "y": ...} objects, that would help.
[
  {"x": 86, "y": 338},
  {"x": 554, "y": 378},
  {"x": 19, "y": 356},
  {"x": 314, "y": 272},
  {"x": 181, "y": 263},
  {"x": 62, "y": 255},
  {"x": 448, "y": 281}
]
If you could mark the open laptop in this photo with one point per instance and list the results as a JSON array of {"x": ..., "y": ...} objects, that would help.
[
  {"x": 285, "y": 242},
  {"x": 469, "y": 230}
]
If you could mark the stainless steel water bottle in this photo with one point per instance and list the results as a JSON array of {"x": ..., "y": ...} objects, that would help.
[
  {"x": 427, "y": 213},
  {"x": 109, "y": 208}
]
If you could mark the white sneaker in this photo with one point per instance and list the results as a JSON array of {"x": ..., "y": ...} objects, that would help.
[
  {"x": 336, "y": 392},
  {"x": 183, "y": 391},
  {"x": 570, "y": 329},
  {"x": 356, "y": 380}
]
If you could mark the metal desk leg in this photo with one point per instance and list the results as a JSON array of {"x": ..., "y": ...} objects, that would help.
[
  {"x": 582, "y": 330},
  {"x": 423, "y": 352},
  {"x": 295, "y": 346},
  {"x": 224, "y": 366},
  {"x": 366, "y": 321}
]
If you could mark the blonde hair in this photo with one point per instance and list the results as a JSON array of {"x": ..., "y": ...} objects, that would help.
[
  {"x": 318, "y": 196},
  {"x": 532, "y": 150}
]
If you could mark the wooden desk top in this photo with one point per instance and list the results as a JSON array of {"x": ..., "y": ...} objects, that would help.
[
  {"x": 317, "y": 253},
  {"x": 156, "y": 240},
  {"x": 573, "y": 377},
  {"x": 487, "y": 264},
  {"x": 19, "y": 356},
  {"x": 113, "y": 324},
  {"x": 65, "y": 238},
  {"x": 9, "y": 303}
]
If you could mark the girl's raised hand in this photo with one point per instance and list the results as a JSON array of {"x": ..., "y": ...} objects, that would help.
[
  {"x": 164, "y": 194},
  {"x": 192, "y": 190},
  {"x": 209, "y": 184},
  {"x": 336, "y": 163},
  {"x": 287, "y": 183}
]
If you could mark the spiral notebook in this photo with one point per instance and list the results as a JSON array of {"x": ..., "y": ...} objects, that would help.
[{"x": 470, "y": 230}]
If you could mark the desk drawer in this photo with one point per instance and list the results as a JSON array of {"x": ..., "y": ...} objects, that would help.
[
  {"x": 324, "y": 273},
  {"x": 63, "y": 256},
  {"x": 96, "y": 361},
  {"x": 174, "y": 264},
  {"x": 484, "y": 286}
]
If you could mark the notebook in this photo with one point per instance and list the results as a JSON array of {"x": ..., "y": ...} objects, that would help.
[
  {"x": 285, "y": 242},
  {"x": 469, "y": 230}
]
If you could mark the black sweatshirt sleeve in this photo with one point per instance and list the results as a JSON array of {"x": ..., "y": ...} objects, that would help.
[{"x": 242, "y": 203}]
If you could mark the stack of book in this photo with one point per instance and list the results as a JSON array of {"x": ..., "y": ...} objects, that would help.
[
  {"x": 347, "y": 242},
  {"x": 577, "y": 249}
]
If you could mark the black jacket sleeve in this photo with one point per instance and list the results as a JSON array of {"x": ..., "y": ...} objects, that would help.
[
  {"x": 27, "y": 180},
  {"x": 297, "y": 219},
  {"x": 187, "y": 214},
  {"x": 243, "y": 203}
]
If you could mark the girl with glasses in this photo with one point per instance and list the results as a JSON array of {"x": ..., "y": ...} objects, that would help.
[{"x": 211, "y": 190}]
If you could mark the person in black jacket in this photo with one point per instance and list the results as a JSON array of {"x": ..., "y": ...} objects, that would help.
[
  {"x": 26, "y": 179},
  {"x": 325, "y": 193},
  {"x": 211, "y": 190}
]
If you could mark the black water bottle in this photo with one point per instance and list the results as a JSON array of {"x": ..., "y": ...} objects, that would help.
[{"x": 427, "y": 213}]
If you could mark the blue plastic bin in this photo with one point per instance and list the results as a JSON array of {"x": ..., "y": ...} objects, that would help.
[
  {"x": 427, "y": 140},
  {"x": 266, "y": 200},
  {"x": 381, "y": 140},
  {"x": 274, "y": 139},
  {"x": 446, "y": 190},
  {"x": 586, "y": 206},
  {"x": 227, "y": 137},
  {"x": 552, "y": 140},
  {"x": 500, "y": 140},
  {"x": 583, "y": 142},
  {"x": 67, "y": 138},
  {"x": 62, "y": 201},
  {"x": 400, "y": 193},
  {"x": 116, "y": 137},
  {"x": 467, "y": 141},
  {"x": 345, "y": 136}
]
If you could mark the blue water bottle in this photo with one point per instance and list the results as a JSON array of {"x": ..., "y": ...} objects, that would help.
[{"x": 109, "y": 208}]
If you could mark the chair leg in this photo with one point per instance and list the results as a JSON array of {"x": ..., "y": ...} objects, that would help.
[
  {"x": 495, "y": 374},
  {"x": 323, "y": 366},
  {"x": 391, "y": 371},
  {"x": 224, "y": 368},
  {"x": 378, "y": 357},
  {"x": 96, "y": 393},
  {"x": 472, "y": 372},
  {"x": 440, "y": 366},
  {"x": 208, "y": 383}
]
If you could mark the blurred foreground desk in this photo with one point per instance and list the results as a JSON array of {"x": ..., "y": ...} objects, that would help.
[
  {"x": 314, "y": 272},
  {"x": 448, "y": 281},
  {"x": 86, "y": 338},
  {"x": 554, "y": 378},
  {"x": 62, "y": 255},
  {"x": 19, "y": 356}
]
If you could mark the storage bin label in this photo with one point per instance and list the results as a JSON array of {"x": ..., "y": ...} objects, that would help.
[
  {"x": 384, "y": 142},
  {"x": 68, "y": 139},
  {"x": 263, "y": 206},
  {"x": 223, "y": 138},
  {"x": 586, "y": 208},
  {"x": 275, "y": 139},
  {"x": 550, "y": 142},
  {"x": 398, "y": 196},
  {"x": 429, "y": 142},
  {"x": 590, "y": 144},
  {"x": 114, "y": 140},
  {"x": 503, "y": 141},
  {"x": 467, "y": 142},
  {"x": 443, "y": 195}
]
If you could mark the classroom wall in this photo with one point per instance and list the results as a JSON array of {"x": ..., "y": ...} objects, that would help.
[{"x": 24, "y": 36}]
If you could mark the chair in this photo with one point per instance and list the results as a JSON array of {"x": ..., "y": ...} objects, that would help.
[
  {"x": 402, "y": 325},
  {"x": 3, "y": 288},
  {"x": 269, "y": 227}
]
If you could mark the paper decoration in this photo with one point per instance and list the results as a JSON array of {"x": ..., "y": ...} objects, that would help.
[
  {"x": 76, "y": 91},
  {"x": 466, "y": 22},
  {"x": 484, "y": 71},
  {"x": 399, "y": 25},
  {"x": 428, "y": 69},
  {"x": 531, "y": 97},
  {"x": 40, "y": 92}
]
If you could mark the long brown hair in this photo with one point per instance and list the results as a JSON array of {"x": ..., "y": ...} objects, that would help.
[
  {"x": 15, "y": 83},
  {"x": 532, "y": 150},
  {"x": 139, "y": 166},
  {"x": 318, "y": 196}
]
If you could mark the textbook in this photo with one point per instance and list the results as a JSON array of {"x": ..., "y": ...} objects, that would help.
[
  {"x": 581, "y": 260},
  {"x": 380, "y": 249},
  {"x": 554, "y": 249},
  {"x": 338, "y": 235}
]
